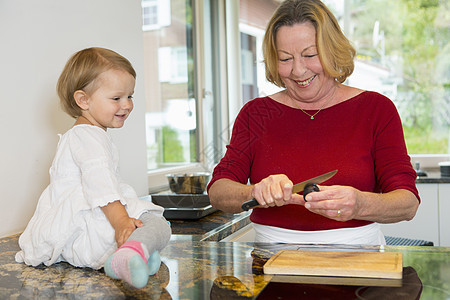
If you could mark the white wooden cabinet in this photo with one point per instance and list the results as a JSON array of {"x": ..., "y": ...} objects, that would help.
[
  {"x": 245, "y": 234},
  {"x": 425, "y": 225},
  {"x": 444, "y": 214}
]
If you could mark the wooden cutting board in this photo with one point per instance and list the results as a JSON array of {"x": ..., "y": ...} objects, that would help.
[{"x": 336, "y": 263}]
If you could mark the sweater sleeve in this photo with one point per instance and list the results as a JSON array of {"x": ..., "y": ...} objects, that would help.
[
  {"x": 235, "y": 164},
  {"x": 393, "y": 167}
]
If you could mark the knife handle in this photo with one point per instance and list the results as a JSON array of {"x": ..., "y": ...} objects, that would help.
[
  {"x": 249, "y": 204},
  {"x": 309, "y": 188}
]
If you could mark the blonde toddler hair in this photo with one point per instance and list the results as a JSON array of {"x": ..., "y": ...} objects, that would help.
[{"x": 80, "y": 73}]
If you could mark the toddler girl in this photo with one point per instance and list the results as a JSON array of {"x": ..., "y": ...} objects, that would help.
[{"x": 87, "y": 211}]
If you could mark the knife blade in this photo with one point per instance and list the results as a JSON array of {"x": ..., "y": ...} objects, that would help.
[{"x": 297, "y": 188}]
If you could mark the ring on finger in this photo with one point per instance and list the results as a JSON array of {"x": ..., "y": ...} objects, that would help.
[{"x": 339, "y": 213}]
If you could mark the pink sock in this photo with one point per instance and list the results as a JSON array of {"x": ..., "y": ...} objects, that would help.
[
  {"x": 129, "y": 263},
  {"x": 136, "y": 246}
]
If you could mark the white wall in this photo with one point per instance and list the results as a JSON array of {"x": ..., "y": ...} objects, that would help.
[{"x": 36, "y": 39}]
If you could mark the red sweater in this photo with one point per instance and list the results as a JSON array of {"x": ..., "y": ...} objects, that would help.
[{"x": 361, "y": 137}]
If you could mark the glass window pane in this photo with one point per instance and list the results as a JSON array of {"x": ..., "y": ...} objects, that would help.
[
  {"x": 404, "y": 53},
  {"x": 170, "y": 102},
  {"x": 253, "y": 18}
]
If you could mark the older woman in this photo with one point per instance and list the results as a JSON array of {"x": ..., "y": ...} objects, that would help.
[{"x": 315, "y": 125}]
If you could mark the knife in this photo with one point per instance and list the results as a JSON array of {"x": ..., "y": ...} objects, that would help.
[{"x": 306, "y": 186}]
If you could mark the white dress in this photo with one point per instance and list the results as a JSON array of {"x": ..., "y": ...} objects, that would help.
[{"x": 68, "y": 224}]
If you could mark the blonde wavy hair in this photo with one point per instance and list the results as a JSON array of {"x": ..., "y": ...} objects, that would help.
[
  {"x": 81, "y": 71},
  {"x": 335, "y": 51}
]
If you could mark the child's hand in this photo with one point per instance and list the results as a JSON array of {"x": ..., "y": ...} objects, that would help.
[{"x": 124, "y": 227}]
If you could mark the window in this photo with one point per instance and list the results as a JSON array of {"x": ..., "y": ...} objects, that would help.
[
  {"x": 253, "y": 18},
  {"x": 155, "y": 14},
  {"x": 403, "y": 52},
  {"x": 180, "y": 110},
  {"x": 172, "y": 64},
  {"x": 171, "y": 118}
]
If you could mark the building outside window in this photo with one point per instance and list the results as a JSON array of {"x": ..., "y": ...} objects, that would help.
[
  {"x": 171, "y": 110},
  {"x": 155, "y": 14}
]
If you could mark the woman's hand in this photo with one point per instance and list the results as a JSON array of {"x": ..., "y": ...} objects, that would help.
[
  {"x": 343, "y": 203},
  {"x": 336, "y": 202},
  {"x": 275, "y": 190}
]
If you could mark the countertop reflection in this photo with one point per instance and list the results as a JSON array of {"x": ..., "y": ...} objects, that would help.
[{"x": 195, "y": 269}]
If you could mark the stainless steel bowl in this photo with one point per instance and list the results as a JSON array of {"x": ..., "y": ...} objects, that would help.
[{"x": 188, "y": 183}]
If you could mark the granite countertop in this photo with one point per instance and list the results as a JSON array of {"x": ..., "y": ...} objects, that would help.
[
  {"x": 197, "y": 266},
  {"x": 194, "y": 269},
  {"x": 433, "y": 177}
]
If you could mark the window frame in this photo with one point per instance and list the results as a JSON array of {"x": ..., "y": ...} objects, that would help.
[{"x": 204, "y": 95}]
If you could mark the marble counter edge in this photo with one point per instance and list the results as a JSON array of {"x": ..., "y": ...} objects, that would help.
[{"x": 228, "y": 228}]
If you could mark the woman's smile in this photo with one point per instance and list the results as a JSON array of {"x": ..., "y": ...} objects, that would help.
[{"x": 306, "y": 83}]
